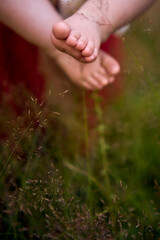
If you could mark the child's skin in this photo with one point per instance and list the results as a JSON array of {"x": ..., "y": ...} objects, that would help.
[
  {"x": 81, "y": 34},
  {"x": 33, "y": 20}
]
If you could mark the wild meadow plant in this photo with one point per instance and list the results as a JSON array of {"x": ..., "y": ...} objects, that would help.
[{"x": 57, "y": 183}]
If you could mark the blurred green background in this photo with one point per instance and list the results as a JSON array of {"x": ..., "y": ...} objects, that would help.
[{"x": 61, "y": 179}]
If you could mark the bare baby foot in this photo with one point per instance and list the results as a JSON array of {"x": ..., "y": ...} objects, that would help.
[
  {"x": 80, "y": 35},
  {"x": 92, "y": 76}
]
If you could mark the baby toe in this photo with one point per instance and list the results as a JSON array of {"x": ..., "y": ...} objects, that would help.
[
  {"x": 81, "y": 44},
  {"x": 92, "y": 57},
  {"x": 92, "y": 80},
  {"x": 87, "y": 86},
  {"x": 61, "y": 30},
  {"x": 111, "y": 65},
  {"x": 62, "y": 46},
  {"x": 73, "y": 38},
  {"x": 103, "y": 80},
  {"x": 89, "y": 49},
  {"x": 101, "y": 70}
]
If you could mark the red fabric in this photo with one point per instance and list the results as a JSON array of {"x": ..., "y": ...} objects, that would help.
[{"x": 18, "y": 65}]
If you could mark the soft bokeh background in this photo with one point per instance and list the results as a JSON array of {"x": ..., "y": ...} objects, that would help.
[{"x": 66, "y": 176}]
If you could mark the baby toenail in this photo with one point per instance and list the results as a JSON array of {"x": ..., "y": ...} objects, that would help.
[
  {"x": 88, "y": 49},
  {"x": 92, "y": 57},
  {"x": 115, "y": 69},
  {"x": 81, "y": 43},
  {"x": 72, "y": 38}
]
